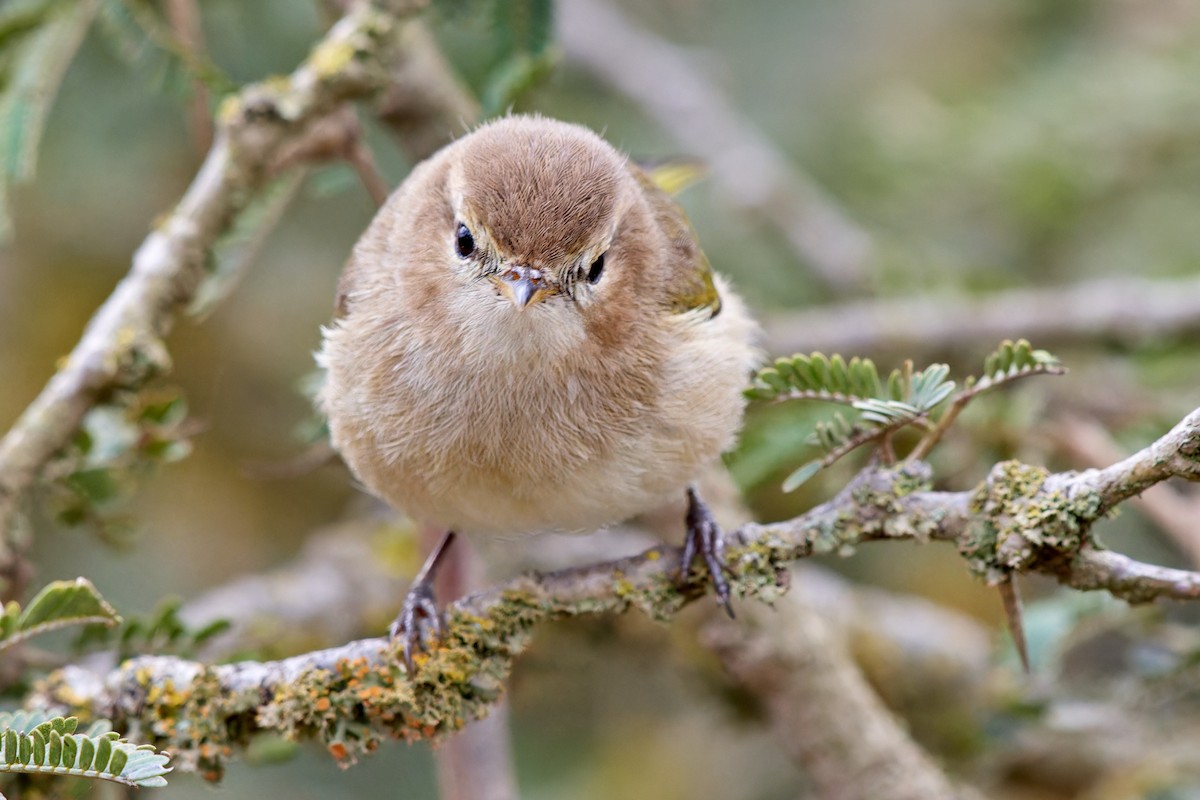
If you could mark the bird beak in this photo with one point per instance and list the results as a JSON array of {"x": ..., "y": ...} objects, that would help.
[{"x": 524, "y": 286}]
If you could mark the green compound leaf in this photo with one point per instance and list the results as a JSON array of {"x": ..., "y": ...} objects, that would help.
[
  {"x": 883, "y": 407},
  {"x": 816, "y": 377},
  {"x": 38, "y": 40},
  {"x": 524, "y": 30},
  {"x": 58, "y": 605},
  {"x": 34, "y": 743},
  {"x": 801, "y": 476},
  {"x": 1017, "y": 359}
]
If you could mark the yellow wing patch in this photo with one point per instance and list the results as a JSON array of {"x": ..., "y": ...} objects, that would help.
[
  {"x": 690, "y": 282},
  {"x": 673, "y": 175}
]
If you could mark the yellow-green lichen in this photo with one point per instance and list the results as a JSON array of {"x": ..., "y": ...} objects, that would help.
[
  {"x": 760, "y": 572},
  {"x": 1018, "y": 521},
  {"x": 331, "y": 56}
]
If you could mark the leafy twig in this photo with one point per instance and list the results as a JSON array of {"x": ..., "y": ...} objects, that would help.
[{"x": 1010, "y": 362}]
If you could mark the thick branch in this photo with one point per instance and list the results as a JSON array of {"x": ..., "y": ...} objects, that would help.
[
  {"x": 123, "y": 342},
  {"x": 851, "y": 750}
]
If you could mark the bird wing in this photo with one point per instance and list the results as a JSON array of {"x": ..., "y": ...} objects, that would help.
[
  {"x": 690, "y": 284},
  {"x": 674, "y": 174},
  {"x": 374, "y": 240}
]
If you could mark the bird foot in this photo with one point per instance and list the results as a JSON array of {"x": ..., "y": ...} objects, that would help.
[
  {"x": 420, "y": 621},
  {"x": 704, "y": 538}
]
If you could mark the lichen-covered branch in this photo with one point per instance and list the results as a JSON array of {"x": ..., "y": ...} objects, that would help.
[
  {"x": 1021, "y": 519},
  {"x": 123, "y": 343}
]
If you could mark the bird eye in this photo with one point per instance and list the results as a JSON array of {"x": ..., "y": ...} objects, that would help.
[
  {"x": 464, "y": 242},
  {"x": 597, "y": 269}
]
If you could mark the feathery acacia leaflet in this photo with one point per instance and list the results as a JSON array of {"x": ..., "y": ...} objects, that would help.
[{"x": 882, "y": 407}]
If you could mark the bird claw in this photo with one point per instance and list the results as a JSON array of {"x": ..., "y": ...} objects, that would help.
[
  {"x": 419, "y": 621},
  {"x": 704, "y": 538}
]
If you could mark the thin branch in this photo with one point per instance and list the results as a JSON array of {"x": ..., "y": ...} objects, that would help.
[
  {"x": 1129, "y": 579},
  {"x": 936, "y": 647},
  {"x": 122, "y": 344},
  {"x": 673, "y": 89},
  {"x": 1128, "y": 309},
  {"x": 362, "y": 160},
  {"x": 358, "y": 591},
  {"x": 1022, "y": 519},
  {"x": 1175, "y": 455},
  {"x": 924, "y": 447},
  {"x": 184, "y": 17},
  {"x": 338, "y": 136},
  {"x": 1174, "y": 512},
  {"x": 425, "y": 104},
  {"x": 867, "y": 434}
]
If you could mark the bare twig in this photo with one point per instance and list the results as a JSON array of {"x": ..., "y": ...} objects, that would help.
[
  {"x": 1175, "y": 455},
  {"x": 1176, "y": 513},
  {"x": 184, "y": 17},
  {"x": 1129, "y": 309},
  {"x": 123, "y": 342},
  {"x": 339, "y": 136},
  {"x": 672, "y": 88},
  {"x": 337, "y": 588},
  {"x": 363, "y": 162}
]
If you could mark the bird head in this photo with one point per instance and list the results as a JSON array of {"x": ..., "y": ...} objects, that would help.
[{"x": 537, "y": 205}]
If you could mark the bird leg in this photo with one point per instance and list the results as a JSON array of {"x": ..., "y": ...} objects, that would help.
[
  {"x": 704, "y": 538},
  {"x": 419, "y": 618}
]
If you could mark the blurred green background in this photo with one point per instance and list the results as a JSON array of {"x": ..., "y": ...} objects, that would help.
[{"x": 983, "y": 146}]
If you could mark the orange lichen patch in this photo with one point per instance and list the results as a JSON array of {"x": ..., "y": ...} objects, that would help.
[{"x": 370, "y": 695}]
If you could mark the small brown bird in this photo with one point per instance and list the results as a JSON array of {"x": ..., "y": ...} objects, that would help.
[{"x": 529, "y": 339}]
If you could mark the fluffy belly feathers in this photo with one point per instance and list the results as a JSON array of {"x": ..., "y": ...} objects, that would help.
[{"x": 488, "y": 445}]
